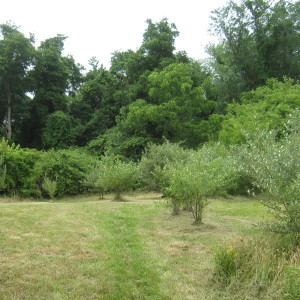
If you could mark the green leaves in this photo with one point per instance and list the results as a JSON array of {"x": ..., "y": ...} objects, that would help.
[
  {"x": 16, "y": 57},
  {"x": 58, "y": 132},
  {"x": 2, "y": 174},
  {"x": 114, "y": 175},
  {"x": 266, "y": 108},
  {"x": 205, "y": 173},
  {"x": 275, "y": 167},
  {"x": 50, "y": 186},
  {"x": 260, "y": 40}
]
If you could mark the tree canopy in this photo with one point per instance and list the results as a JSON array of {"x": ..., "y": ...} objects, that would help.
[{"x": 154, "y": 93}]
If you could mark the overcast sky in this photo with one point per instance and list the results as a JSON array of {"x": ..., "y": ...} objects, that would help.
[{"x": 98, "y": 28}]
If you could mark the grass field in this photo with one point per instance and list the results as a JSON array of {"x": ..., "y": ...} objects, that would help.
[{"x": 85, "y": 248}]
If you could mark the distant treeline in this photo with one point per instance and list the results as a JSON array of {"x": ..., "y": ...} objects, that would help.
[{"x": 155, "y": 94}]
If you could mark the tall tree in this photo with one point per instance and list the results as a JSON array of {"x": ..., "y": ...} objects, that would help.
[
  {"x": 179, "y": 102},
  {"x": 16, "y": 58},
  {"x": 54, "y": 77},
  {"x": 159, "y": 44},
  {"x": 259, "y": 40},
  {"x": 132, "y": 68}
]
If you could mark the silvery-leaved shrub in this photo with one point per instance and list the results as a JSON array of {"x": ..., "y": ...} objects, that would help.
[
  {"x": 154, "y": 158},
  {"x": 203, "y": 175},
  {"x": 274, "y": 163},
  {"x": 117, "y": 176}
]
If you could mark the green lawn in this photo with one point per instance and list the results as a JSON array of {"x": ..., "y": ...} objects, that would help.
[{"x": 84, "y": 248}]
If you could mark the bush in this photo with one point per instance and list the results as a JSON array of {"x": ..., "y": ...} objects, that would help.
[
  {"x": 2, "y": 174},
  {"x": 239, "y": 182},
  {"x": 50, "y": 187},
  {"x": 68, "y": 168},
  {"x": 275, "y": 166},
  {"x": 154, "y": 158},
  {"x": 116, "y": 176},
  {"x": 91, "y": 180},
  {"x": 203, "y": 175},
  {"x": 20, "y": 175}
]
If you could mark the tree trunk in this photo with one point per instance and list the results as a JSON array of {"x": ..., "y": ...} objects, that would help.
[{"x": 9, "y": 128}]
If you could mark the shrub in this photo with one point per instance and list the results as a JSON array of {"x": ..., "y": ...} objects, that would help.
[
  {"x": 2, "y": 174},
  {"x": 239, "y": 182},
  {"x": 116, "y": 176},
  {"x": 68, "y": 168},
  {"x": 275, "y": 166},
  {"x": 203, "y": 175},
  {"x": 154, "y": 158},
  {"x": 50, "y": 187},
  {"x": 20, "y": 175},
  {"x": 91, "y": 180}
]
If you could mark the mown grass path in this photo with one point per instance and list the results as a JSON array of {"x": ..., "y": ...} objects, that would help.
[
  {"x": 133, "y": 272},
  {"x": 81, "y": 248}
]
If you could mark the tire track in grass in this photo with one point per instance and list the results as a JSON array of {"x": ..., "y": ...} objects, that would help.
[{"x": 134, "y": 275}]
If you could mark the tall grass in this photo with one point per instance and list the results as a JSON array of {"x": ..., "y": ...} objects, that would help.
[{"x": 257, "y": 269}]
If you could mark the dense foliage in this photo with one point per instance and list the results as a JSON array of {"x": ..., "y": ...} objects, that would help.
[
  {"x": 154, "y": 93},
  {"x": 203, "y": 175},
  {"x": 157, "y": 119},
  {"x": 274, "y": 165}
]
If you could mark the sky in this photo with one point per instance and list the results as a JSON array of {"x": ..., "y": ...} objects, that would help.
[{"x": 99, "y": 28}]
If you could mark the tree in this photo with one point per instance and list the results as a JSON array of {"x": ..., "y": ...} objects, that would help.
[
  {"x": 97, "y": 104},
  {"x": 58, "y": 131},
  {"x": 266, "y": 108},
  {"x": 260, "y": 40},
  {"x": 16, "y": 58},
  {"x": 177, "y": 104},
  {"x": 53, "y": 77},
  {"x": 132, "y": 68},
  {"x": 158, "y": 44}
]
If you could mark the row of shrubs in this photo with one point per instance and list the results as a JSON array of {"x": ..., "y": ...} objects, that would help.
[
  {"x": 28, "y": 173},
  {"x": 267, "y": 163}
]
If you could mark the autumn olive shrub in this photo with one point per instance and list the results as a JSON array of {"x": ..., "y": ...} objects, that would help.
[
  {"x": 154, "y": 158},
  {"x": 115, "y": 175},
  {"x": 205, "y": 174},
  {"x": 91, "y": 180},
  {"x": 274, "y": 163}
]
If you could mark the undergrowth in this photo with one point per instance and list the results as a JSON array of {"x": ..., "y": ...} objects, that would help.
[{"x": 257, "y": 269}]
